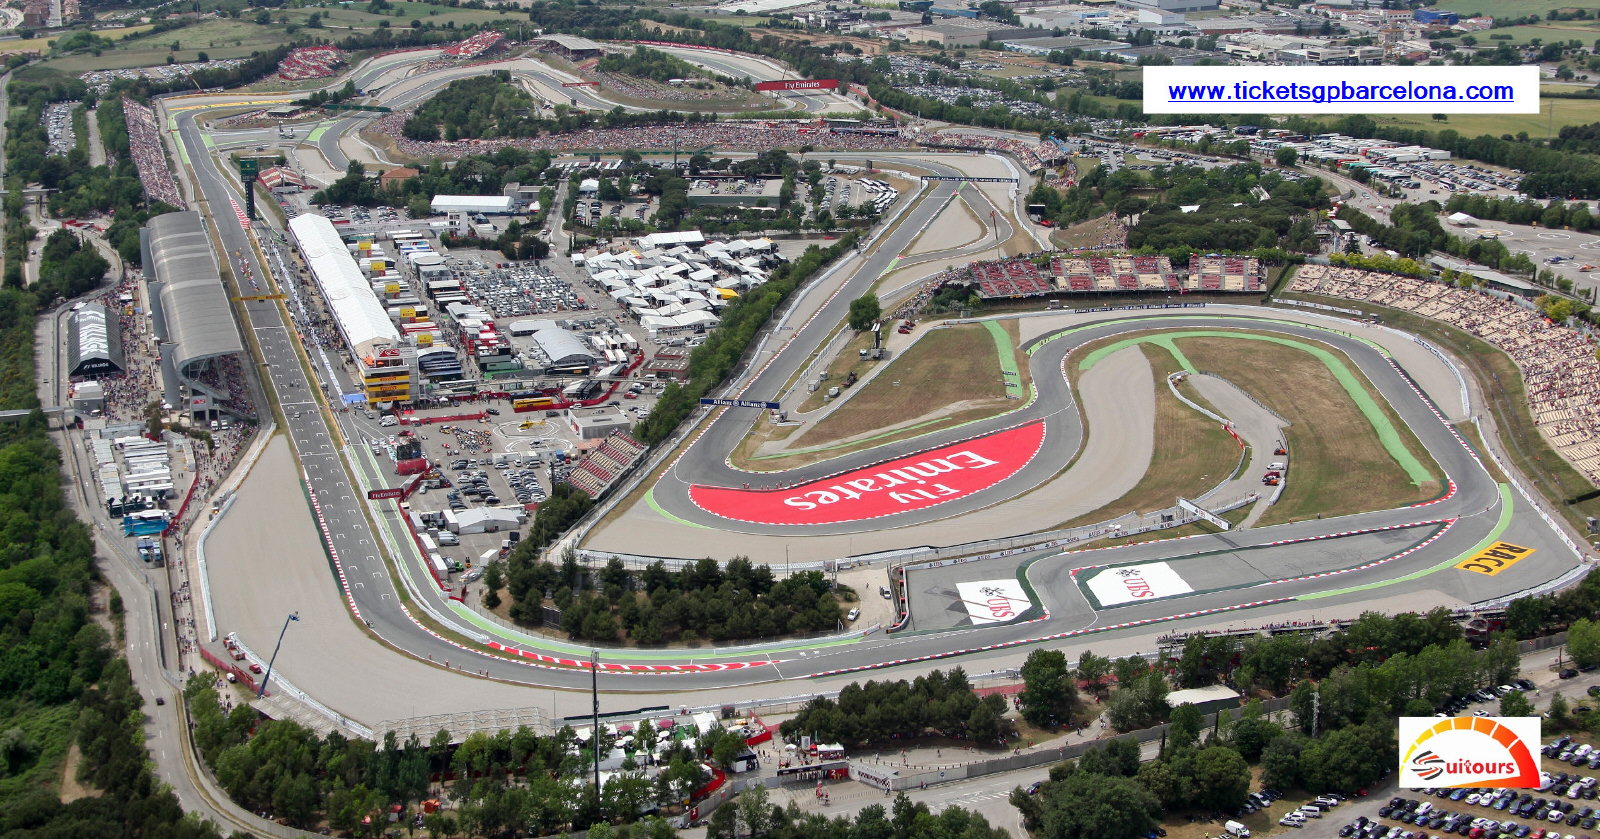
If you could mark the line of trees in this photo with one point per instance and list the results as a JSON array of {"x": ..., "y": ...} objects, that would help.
[
  {"x": 712, "y": 362},
  {"x": 516, "y": 781},
  {"x": 938, "y": 704},
  {"x": 700, "y": 601}
]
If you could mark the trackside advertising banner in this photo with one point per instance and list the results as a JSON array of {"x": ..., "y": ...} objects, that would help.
[
  {"x": 1469, "y": 752},
  {"x": 913, "y": 482}
]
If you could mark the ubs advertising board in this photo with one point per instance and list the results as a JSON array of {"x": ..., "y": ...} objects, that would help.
[
  {"x": 914, "y": 482},
  {"x": 993, "y": 601},
  {"x": 1126, "y": 584}
]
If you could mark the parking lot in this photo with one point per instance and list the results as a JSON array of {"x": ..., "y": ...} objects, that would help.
[
  {"x": 514, "y": 289},
  {"x": 58, "y": 127}
]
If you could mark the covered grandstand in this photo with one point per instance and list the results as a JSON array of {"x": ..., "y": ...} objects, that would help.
[
  {"x": 192, "y": 315},
  {"x": 94, "y": 343}
]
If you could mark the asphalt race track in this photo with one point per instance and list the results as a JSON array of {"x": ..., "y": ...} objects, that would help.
[{"x": 1392, "y": 556}]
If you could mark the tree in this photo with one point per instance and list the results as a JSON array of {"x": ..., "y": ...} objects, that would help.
[
  {"x": 1286, "y": 156},
  {"x": 1092, "y": 671},
  {"x": 1091, "y": 806},
  {"x": 864, "y": 312},
  {"x": 1221, "y": 778},
  {"x": 1516, "y": 704},
  {"x": 1184, "y": 730},
  {"x": 1583, "y": 642},
  {"x": 755, "y": 812},
  {"x": 1526, "y": 616},
  {"x": 1048, "y": 695}
]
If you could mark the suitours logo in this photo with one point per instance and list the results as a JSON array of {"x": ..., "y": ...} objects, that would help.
[{"x": 1469, "y": 752}]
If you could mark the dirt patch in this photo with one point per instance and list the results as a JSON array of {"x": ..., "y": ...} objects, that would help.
[
  {"x": 953, "y": 368},
  {"x": 1103, "y": 232},
  {"x": 847, "y": 361},
  {"x": 1338, "y": 466},
  {"x": 71, "y": 788},
  {"x": 1192, "y": 454}
]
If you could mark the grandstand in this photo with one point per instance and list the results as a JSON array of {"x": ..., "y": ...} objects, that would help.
[
  {"x": 1010, "y": 278},
  {"x": 1225, "y": 273},
  {"x": 310, "y": 63},
  {"x": 605, "y": 463},
  {"x": 473, "y": 47},
  {"x": 1022, "y": 277},
  {"x": 1114, "y": 273}
]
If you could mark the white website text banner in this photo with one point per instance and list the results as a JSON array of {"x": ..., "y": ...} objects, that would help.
[{"x": 1341, "y": 90}]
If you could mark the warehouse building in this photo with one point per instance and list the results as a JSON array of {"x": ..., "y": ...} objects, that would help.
[{"x": 474, "y": 204}]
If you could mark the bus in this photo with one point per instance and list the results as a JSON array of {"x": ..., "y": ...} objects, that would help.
[
  {"x": 144, "y": 523},
  {"x": 401, "y": 235},
  {"x": 533, "y": 403}
]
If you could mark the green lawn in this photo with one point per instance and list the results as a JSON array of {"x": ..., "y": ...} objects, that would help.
[
  {"x": 225, "y": 38},
  {"x": 1566, "y": 112},
  {"x": 1505, "y": 8},
  {"x": 335, "y": 16},
  {"x": 1556, "y": 30}
]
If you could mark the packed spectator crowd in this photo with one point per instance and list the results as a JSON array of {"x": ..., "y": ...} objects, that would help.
[
  {"x": 752, "y": 136},
  {"x": 317, "y": 62},
  {"x": 1033, "y": 156},
  {"x": 144, "y": 143},
  {"x": 1559, "y": 369}
]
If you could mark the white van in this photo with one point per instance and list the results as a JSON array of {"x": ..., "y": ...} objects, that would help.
[
  {"x": 1278, "y": 465},
  {"x": 448, "y": 539},
  {"x": 388, "y": 421},
  {"x": 1237, "y": 829}
]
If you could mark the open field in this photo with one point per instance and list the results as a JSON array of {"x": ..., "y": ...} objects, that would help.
[
  {"x": 848, "y": 361},
  {"x": 1337, "y": 463},
  {"x": 1555, "y": 30},
  {"x": 1192, "y": 454},
  {"x": 1507, "y": 400},
  {"x": 334, "y": 17},
  {"x": 1566, "y": 112},
  {"x": 950, "y": 377},
  {"x": 224, "y": 38},
  {"x": 43, "y": 44},
  {"x": 1499, "y": 7}
]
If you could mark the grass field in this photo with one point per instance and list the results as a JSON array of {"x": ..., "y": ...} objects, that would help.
[
  {"x": 1545, "y": 124},
  {"x": 1556, "y": 30},
  {"x": 951, "y": 376},
  {"x": 1338, "y": 465},
  {"x": 1505, "y": 8},
  {"x": 43, "y": 44},
  {"x": 1192, "y": 454},
  {"x": 1528, "y": 450},
  {"x": 334, "y": 17},
  {"x": 217, "y": 38}
]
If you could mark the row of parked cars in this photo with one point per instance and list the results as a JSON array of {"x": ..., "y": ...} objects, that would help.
[
  {"x": 1313, "y": 810},
  {"x": 1456, "y": 706},
  {"x": 1574, "y": 754}
]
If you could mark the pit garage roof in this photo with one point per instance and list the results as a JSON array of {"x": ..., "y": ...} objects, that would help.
[
  {"x": 194, "y": 304},
  {"x": 94, "y": 342},
  {"x": 361, "y": 318},
  {"x": 563, "y": 346}
]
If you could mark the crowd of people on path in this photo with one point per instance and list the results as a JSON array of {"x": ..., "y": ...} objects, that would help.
[{"x": 1558, "y": 364}]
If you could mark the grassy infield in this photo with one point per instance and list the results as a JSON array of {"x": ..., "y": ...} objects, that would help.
[{"x": 1339, "y": 465}]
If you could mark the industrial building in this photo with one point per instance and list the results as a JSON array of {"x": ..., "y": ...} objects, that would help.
[
  {"x": 597, "y": 423},
  {"x": 94, "y": 343},
  {"x": 562, "y": 351},
  {"x": 736, "y": 194},
  {"x": 475, "y": 204},
  {"x": 964, "y": 33}
]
